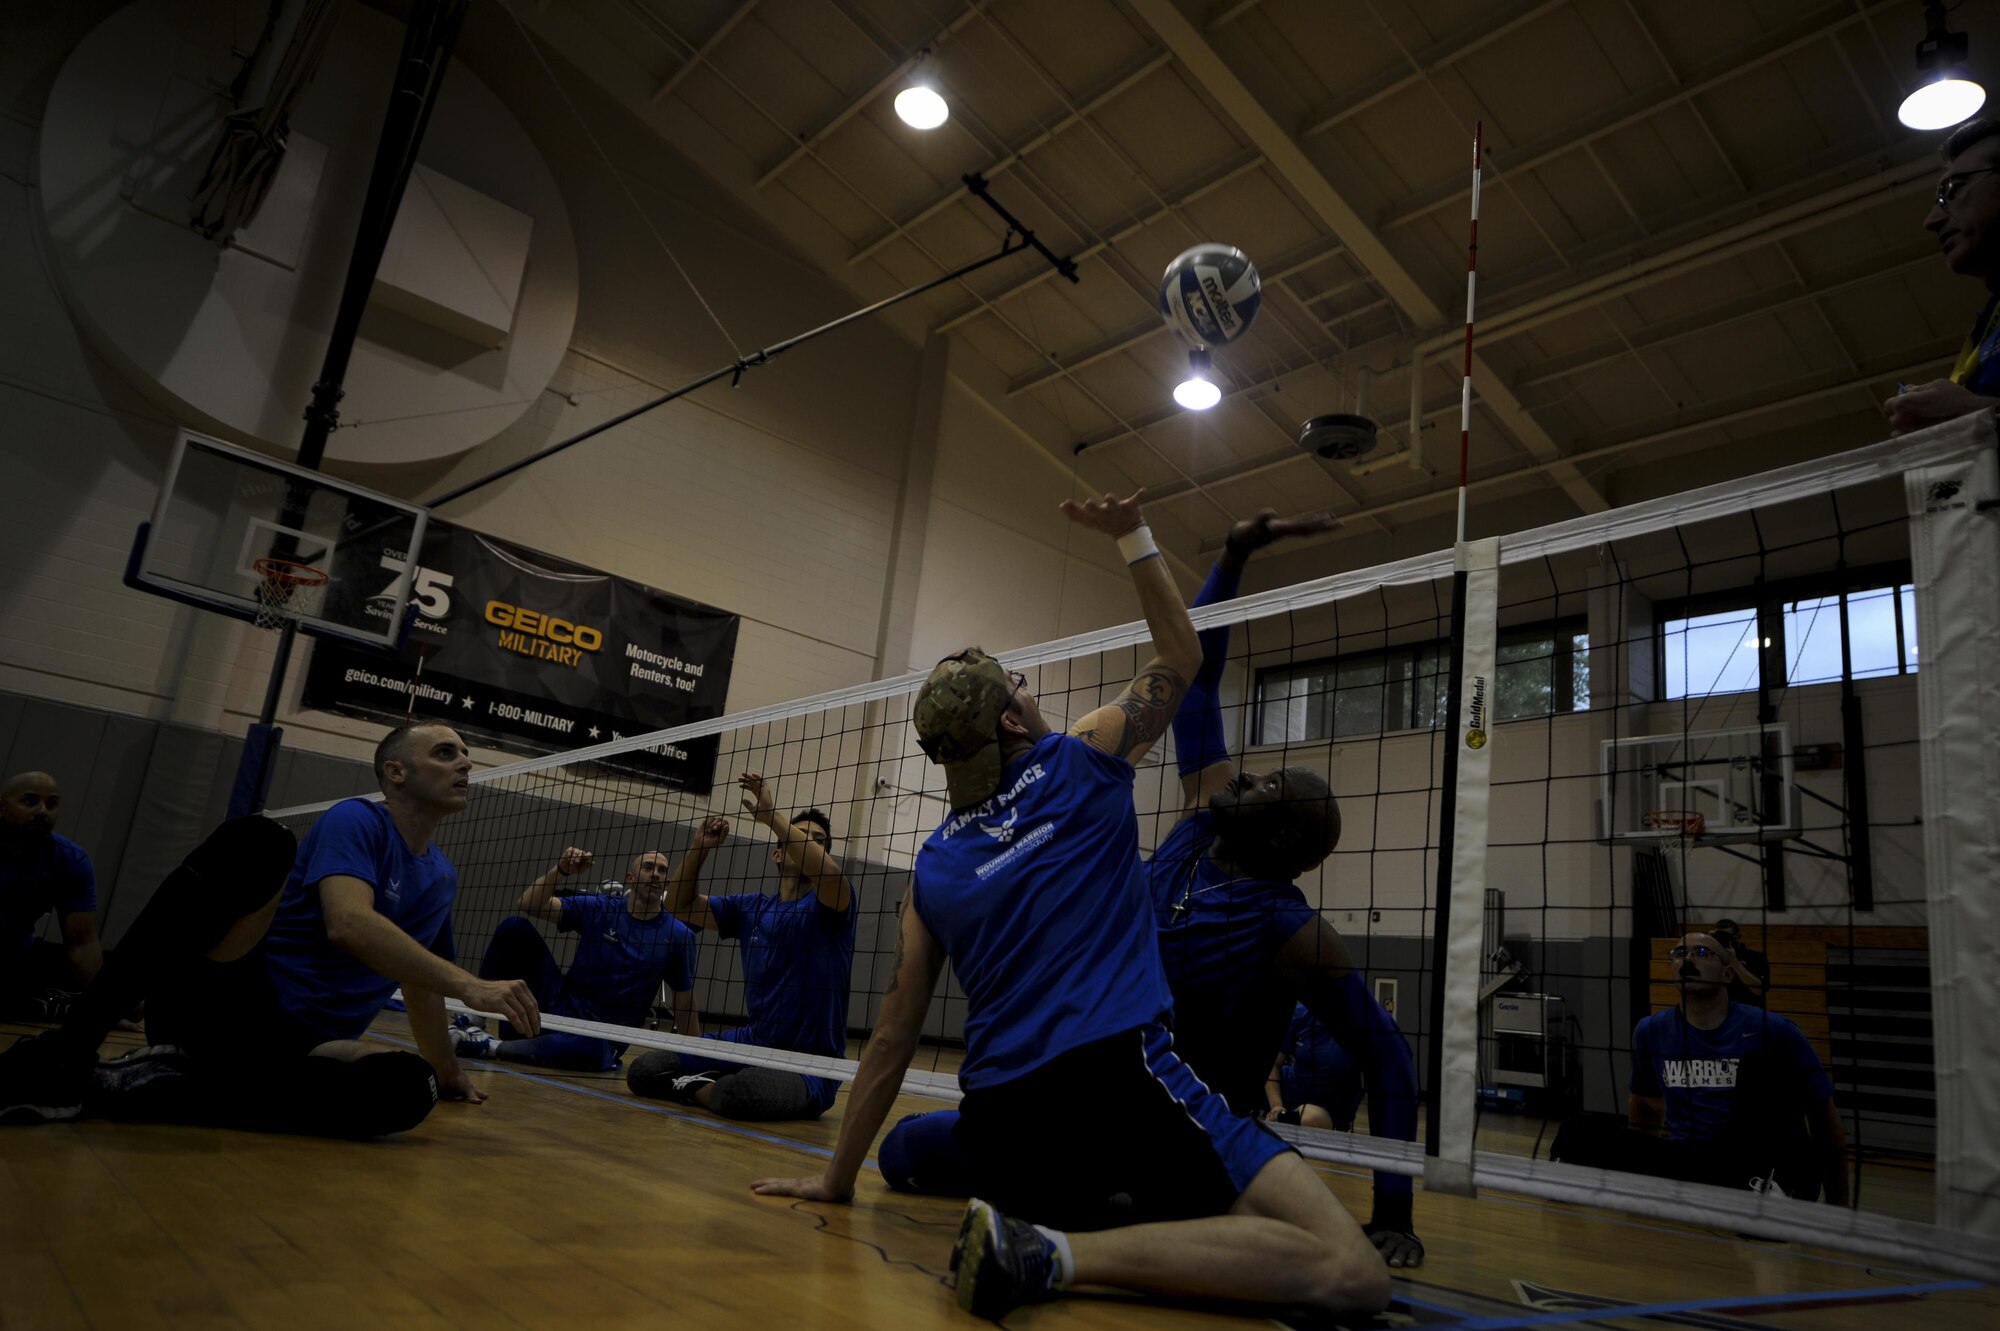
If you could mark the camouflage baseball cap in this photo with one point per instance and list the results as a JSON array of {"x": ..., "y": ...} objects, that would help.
[{"x": 958, "y": 723}]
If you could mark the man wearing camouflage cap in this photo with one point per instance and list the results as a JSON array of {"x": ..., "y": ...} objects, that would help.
[{"x": 1034, "y": 889}]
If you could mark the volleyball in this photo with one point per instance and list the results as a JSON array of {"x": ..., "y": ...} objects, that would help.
[{"x": 1209, "y": 294}]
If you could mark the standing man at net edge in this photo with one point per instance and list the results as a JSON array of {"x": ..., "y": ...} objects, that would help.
[
  {"x": 798, "y": 959},
  {"x": 1966, "y": 220},
  {"x": 1034, "y": 890},
  {"x": 1238, "y": 941},
  {"x": 627, "y": 947},
  {"x": 263, "y": 961}
]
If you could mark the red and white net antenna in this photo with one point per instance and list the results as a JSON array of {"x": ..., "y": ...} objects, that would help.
[{"x": 1471, "y": 291}]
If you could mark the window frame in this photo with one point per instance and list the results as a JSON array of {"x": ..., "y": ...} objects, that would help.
[{"x": 1766, "y": 604}]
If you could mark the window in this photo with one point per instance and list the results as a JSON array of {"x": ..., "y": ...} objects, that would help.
[
  {"x": 1717, "y": 652},
  {"x": 1543, "y": 669}
]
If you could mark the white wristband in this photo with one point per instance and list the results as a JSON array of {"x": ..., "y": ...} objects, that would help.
[{"x": 1137, "y": 544}]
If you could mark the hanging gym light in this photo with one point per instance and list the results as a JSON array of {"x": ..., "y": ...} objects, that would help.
[
  {"x": 1197, "y": 392},
  {"x": 921, "y": 106},
  {"x": 1944, "y": 96}
]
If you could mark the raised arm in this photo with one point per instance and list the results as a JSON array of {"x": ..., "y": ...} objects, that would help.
[
  {"x": 1200, "y": 746},
  {"x": 1133, "y": 722},
  {"x": 540, "y": 897},
  {"x": 919, "y": 962},
  {"x": 804, "y": 854},
  {"x": 682, "y": 901}
]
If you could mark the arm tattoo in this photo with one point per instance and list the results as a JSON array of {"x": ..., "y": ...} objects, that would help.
[{"x": 1149, "y": 703}]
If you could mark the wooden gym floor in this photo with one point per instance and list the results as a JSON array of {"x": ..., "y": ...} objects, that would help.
[{"x": 564, "y": 1202}]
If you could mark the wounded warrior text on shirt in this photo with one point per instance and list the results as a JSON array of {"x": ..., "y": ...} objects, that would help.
[{"x": 1683, "y": 1074}]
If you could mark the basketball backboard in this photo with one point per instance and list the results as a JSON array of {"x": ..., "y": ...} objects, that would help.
[
  {"x": 223, "y": 509},
  {"x": 1739, "y": 781}
]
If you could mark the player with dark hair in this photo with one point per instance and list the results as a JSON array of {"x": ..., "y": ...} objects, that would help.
[
  {"x": 1239, "y": 943},
  {"x": 1721, "y": 1093},
  {"x": 627, "y": 947},
  {"x": 1965, "y": 217},
  {"x": 42, "y": 871},
  {"x": 1034, "y": 890},
  {"x": 262, "y": 961},
  {"x": 798, "y": 957}
]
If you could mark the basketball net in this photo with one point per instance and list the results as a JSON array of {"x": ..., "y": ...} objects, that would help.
[
  {"x": 1675, "y": 829},
  {"x": 286, "y": 591}
]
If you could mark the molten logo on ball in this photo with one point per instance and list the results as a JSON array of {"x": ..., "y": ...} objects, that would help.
[{"x": 1210, "y": 294}]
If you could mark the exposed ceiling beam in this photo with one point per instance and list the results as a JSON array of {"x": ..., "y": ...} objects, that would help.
[
  {"x": 853, "y": 106},
  {"x": 1230, "y": 13},
  {"x": 1809, "y": 214},
  {"x": 1219, "y": 81},
  {"x": 702, "y": 52},
  {"x": 1231, "y": 170},
  {"x": 1124, "y": 83},
  {"x": 1440, "y": 54},
  {"x": 1754, "y": 305},
  {"x": 1639, "y": 106}
]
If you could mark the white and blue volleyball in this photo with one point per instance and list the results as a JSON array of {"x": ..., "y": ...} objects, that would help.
[{"x": 1209, "y": 294}]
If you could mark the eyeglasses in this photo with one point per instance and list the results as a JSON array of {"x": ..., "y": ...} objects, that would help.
[
  {"x": 1020, "y": 680},
  {"x": 1948, "y": 187},
  {"x": 1702, "y": 950}
]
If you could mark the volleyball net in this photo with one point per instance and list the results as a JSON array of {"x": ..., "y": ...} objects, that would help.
[{"x": 1769, "y": 702}]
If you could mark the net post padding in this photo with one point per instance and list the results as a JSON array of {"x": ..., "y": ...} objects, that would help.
[
  {"x": 1955, "y": 564},
  {"x": 287, "y": 591}
]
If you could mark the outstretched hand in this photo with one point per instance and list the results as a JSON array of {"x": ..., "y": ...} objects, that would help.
[
  {"x": 1399, "y": 1248},
  {"x": 574, "y": 861},
  {"x": 1253, "y": 534},
  {"x": 712, "y": 833},
  {"x": 756, "y": 796},
  {"x": 812, "y": 1188},
  {"x": 1109, "y": 514}
]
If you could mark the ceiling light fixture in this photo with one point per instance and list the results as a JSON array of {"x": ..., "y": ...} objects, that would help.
[
  {"x": 921, "y": 106},
  {"x": 1197, "y": 392},
  {"x": 1944, "y": 96}
]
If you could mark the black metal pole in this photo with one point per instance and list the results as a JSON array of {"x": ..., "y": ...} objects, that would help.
[
  {"x": 1447, "y": 838},
  {"x": 428, "y": 40}
]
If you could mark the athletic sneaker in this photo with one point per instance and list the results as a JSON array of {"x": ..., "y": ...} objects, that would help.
[
  {"x": 686, "y": 1088},
  {"x": 149, "y": 1085},
  {"x": 1000, "y": 1263},
  {"x": 465, "y": 1021},
  {"x": 473, "y": 1042},
  {"x": 40, "y": 1082}
]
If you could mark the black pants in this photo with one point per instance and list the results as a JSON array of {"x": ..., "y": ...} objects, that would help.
[{"x": 1735, "y": 1160}]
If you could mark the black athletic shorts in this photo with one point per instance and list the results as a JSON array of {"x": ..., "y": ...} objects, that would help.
[
  {"x": 227, "y": 1012},
  {"x": 1120, "y": 1118}
]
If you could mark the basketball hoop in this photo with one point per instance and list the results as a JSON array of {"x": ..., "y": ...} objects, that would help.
[
  {"x": 287, "y": 591},
  {"x": 1686, "y": 824}
]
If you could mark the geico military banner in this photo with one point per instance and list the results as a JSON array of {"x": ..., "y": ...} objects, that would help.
[{"x": 526, "y": 652}]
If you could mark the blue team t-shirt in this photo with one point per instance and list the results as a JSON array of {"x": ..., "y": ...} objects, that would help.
[
  {"x": 1039, "y": 899},
  {"x": 798, "y": 957},
  {"x": 54, "y": 875},
  {"x": 1318, "y": 1071},
  {"x": 324, "y": 988},
  {"x": 1696, "y": 1071},
  {"x": 620, "y": 960},
  {"x": 1219, "y": 940}
]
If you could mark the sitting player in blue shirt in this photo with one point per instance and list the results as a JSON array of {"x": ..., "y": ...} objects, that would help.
[
  {"x": 1238, "y": 941},
  {"x": 1721, "y": 1093},
  {"x": 263, "y": 960},
  {"x": 1314, "y": 1082},
  {"x": 627, "y": 946},
  {"x": 798, "y": 957},
  {"x": 1034, "y": 890},
  {"x": 42, "y": 871}
]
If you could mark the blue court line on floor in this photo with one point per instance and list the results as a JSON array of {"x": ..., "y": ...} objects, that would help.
[{"x": 1720, "y": 1304}]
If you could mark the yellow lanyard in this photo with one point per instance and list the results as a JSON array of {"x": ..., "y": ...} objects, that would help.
[{"x": 1968, "y": 355}]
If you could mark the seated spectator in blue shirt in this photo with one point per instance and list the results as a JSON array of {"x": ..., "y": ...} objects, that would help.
[
  {"x": 42, "y": 871},
  {"x": 1721, "y": 1093},
  {"x": 627, "y": 947}
]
